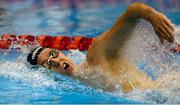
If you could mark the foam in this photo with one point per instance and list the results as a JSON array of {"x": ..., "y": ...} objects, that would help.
[
  {"x": 38, "y": 77},
  {"x": 138, "y": 49},
  {"x": 144, "y": 48}
]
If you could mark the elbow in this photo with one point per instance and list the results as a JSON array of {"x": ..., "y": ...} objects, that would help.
[{"x": 135, "y": 6}]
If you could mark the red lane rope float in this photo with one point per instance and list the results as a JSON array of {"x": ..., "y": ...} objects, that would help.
[
  {"x": 176, "y": 49},
  {"x": 58, "y": 42}
]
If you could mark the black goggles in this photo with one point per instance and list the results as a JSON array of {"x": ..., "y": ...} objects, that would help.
[{"x": 53, "y": 54}]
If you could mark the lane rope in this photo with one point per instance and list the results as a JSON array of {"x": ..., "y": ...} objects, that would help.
[{"x": 57, "y": 42}]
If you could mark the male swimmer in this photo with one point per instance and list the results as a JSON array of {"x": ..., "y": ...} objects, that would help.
[{"x": 105, "y": 66}]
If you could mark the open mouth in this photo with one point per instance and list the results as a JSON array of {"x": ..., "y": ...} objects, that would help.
[{"x": 66, "y": 66}]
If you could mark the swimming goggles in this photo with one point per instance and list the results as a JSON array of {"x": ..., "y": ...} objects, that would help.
[{"x": 53, "y": 54}]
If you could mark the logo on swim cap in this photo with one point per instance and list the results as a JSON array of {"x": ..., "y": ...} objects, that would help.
[
  {"x": 35, "y": 52},
  {"x": 33, "y": 55}
]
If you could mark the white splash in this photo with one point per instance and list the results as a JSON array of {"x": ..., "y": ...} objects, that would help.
[
  {"x": 17, "y": 70},
  {"x": 144, "y": 49},
  {"x": 77, "y": 56}
]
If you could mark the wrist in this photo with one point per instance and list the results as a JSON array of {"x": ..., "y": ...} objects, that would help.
[
  {"x": 140, "y": 10},
  {"x": 148, "y": 13}
]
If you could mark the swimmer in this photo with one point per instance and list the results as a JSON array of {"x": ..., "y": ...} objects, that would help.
[{"x": 105, "y": 66}]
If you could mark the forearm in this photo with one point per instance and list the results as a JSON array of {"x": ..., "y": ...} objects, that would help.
[
  {"x": 161, "y": 24},
  {"x": 112, "y": 40},
  {"x": 134, "y": 12},
  {"x": 128, "y": 20},
  {"x": 123, "y": 28}
]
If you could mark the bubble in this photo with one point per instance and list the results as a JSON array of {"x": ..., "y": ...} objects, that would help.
[{"x": 143, "y": 48}]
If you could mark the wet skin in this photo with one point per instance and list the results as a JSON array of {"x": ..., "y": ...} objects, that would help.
[
  {"x": 60, "y": 64},
  {"x": 105, "y": 51}
]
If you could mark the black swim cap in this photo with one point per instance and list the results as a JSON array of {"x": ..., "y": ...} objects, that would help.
[{"x": 33, "y": 55}]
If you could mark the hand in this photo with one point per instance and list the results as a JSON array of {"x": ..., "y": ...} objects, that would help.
[{"x": 162, "y": 26}]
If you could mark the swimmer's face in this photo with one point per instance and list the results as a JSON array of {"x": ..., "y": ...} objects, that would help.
[{"x": 57, "y": 61}]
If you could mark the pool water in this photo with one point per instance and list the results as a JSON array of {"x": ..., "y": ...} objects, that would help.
[{"x": 21, "y": 83}]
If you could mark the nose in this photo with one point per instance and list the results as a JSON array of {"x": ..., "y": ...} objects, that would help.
[{"x": 56, "y": 60}]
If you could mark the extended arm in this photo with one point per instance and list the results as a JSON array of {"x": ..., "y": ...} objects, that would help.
[
  {"x": 109, "y": 43},
  {"x": 128, "y": 20}
]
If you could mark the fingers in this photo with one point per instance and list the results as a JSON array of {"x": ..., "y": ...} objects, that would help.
[
  {"x": 169, "y": 31},
  {"x": 166, "y": 32},
  {"x": 161, "y": 40},
  {"x": 168, "y": 23},
  {"x": 160, "y": 35},
  {"x": 163, "y": 27}
]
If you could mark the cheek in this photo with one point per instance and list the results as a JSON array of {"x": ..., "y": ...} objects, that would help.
[
  {"x": 62, "y": 56},
  {"x": 59, "y": 70}
]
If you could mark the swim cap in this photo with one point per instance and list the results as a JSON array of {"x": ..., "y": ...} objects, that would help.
[{"x": 33, "y": 55}]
